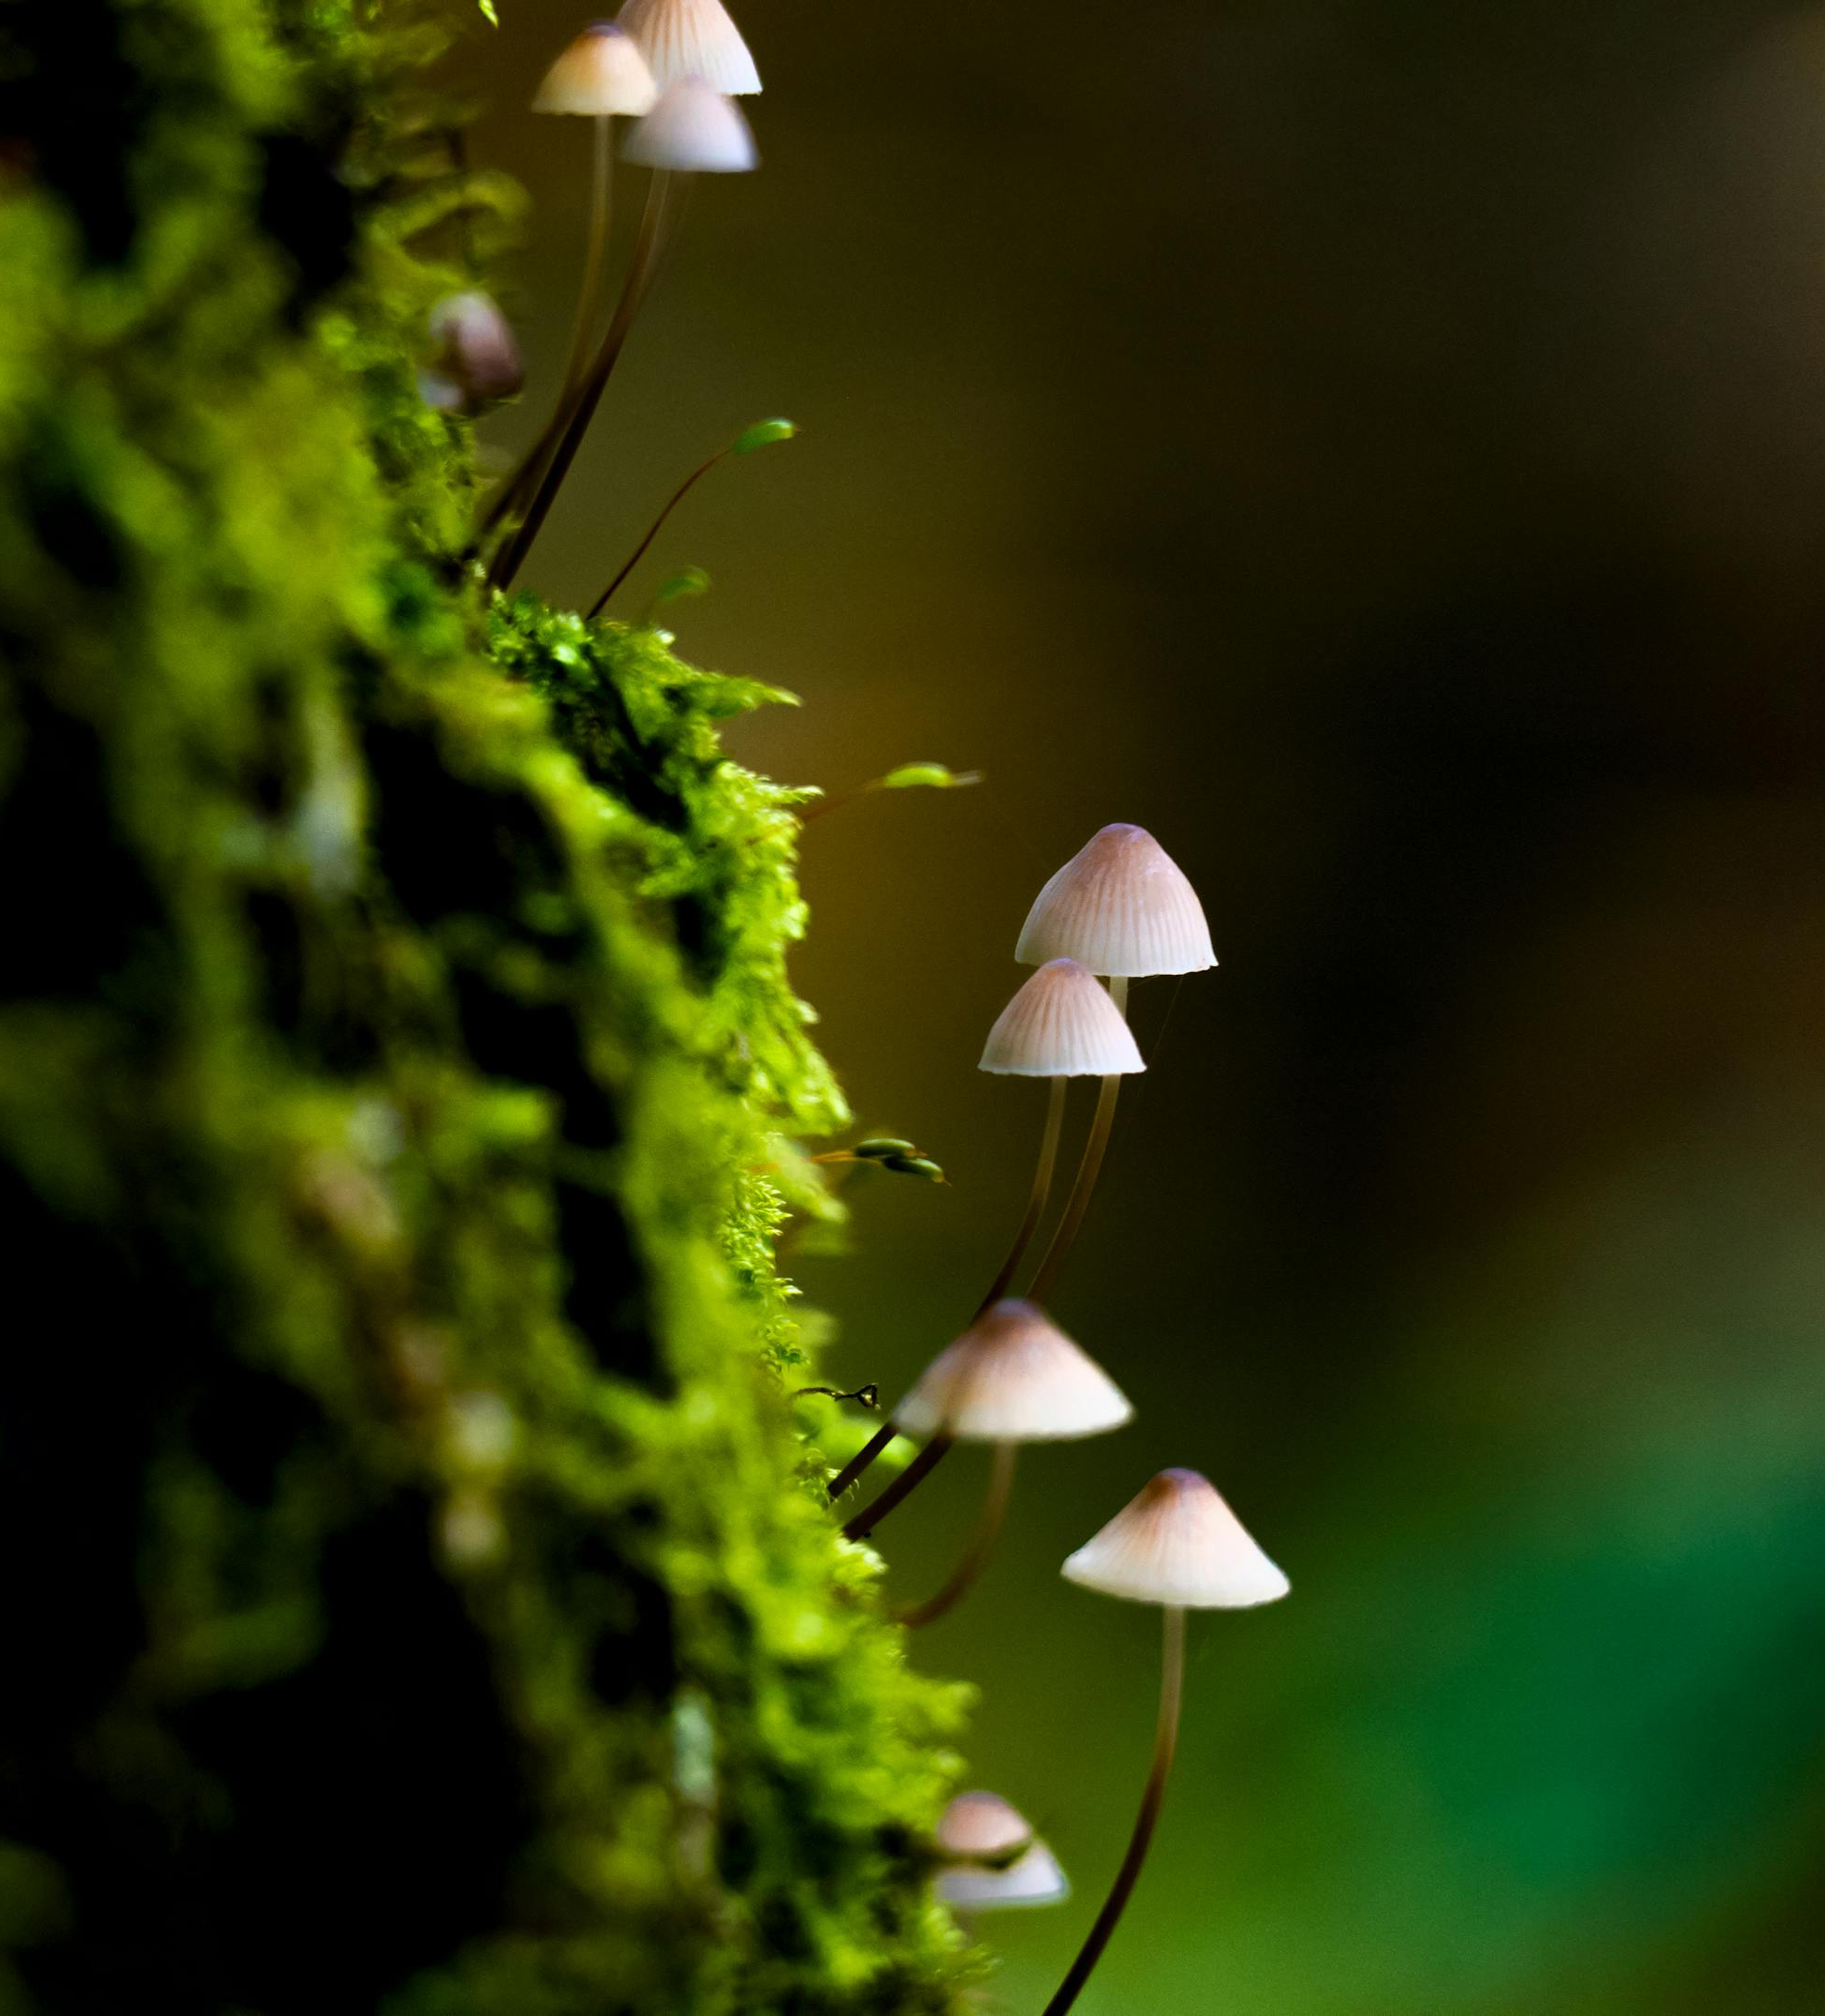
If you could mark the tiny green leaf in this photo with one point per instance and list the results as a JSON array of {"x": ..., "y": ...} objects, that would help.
[
  {"x": 932, "y": 776},
  {"x": 488, "y": 7},
  {"x": 681, "y": 587},
  {"x": 763, "y": 434}
]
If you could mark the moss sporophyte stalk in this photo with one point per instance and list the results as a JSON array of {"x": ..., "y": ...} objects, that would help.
[{"x": 406, "y": 1138}]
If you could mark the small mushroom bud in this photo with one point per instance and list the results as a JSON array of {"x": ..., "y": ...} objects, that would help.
[{"x": 475, "y": 363}]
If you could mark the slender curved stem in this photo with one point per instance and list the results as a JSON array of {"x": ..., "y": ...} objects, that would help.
[
  {"x": 1166, "y": 1738},
  {"x": 655, "y": 228},
  {"x": 863, "y": 1458},
  {"x": 639, "y": 552},
  {"x": 1087, "y": 1170},
  {"x": 908, "y": 1481},
  {"x": 531, "y": 466},
  {"x": 975, "y": 1555},
  {"x": 588, "y": 296},
  {"x": 1035, "y": 1203},
  {"x": 1042, "y": 1187}
]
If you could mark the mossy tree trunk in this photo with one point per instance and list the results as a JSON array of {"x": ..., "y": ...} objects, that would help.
[{"x": 416, "y": 1594}]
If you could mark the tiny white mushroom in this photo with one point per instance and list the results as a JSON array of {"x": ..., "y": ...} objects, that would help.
[
  {"x": 692, "y": 38},
  {"x": 1062, "y": 1024},
  {"x": 693, "y": 130},
  {"x": 1012, "y": 1377},
  {"x": 1122, "y": 905},
  {"x": 1179, "y": 1546},
  {"x": 978, "y": 1830},
  {"x": 600, "y": 75}
]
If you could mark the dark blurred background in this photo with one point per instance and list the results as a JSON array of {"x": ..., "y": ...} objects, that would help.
[{"x": 1380, "y": 448}]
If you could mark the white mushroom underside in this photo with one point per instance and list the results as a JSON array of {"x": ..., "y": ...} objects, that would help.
[{"x": 1035, "y": 1878}]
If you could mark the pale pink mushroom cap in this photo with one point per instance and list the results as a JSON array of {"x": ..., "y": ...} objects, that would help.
[
  {"x": 692, "y": 38},
  {"x": 980, "y": 1823},
  {"x": 1062, "y": 1024},
  {"x": 1177, "y": 1543},
  {"x": 602, "y": 73},
  {"x": 694, "y": 129},
  {"x": 1014, "y": 1376},
  {"x": 1121, "y": 907}
]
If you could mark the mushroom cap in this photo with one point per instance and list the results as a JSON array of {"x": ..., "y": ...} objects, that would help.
[
  {"x": 600, "y": 73},
  {"x": 696, "y": 129},
  {"x": 983, "y": 1824},
  {"x": 1062, "y": 1024},
  {"x": 1122, "y": 907},
  {"x": 1180, "y": 1545},
  {"x": 692, "y": 38},
  {"x": 1014, "y": 1376}
]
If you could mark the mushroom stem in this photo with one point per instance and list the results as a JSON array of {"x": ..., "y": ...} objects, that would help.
[
  {"x": 1035, "y": 1203},
  {"x": 908, "y": 1481},
  {"x": 1065, "y": 1236},
  {"x": 975, "y": 1555},
  {"x": 1166, "y": 1738},
  {"x": 593, "y": 256},
  {"x": 1035, "y": 1206},
  {"x": 531, "y": 466},
  {"x": 861, "y": 1459},
  {"x": 655, "y": 228}
]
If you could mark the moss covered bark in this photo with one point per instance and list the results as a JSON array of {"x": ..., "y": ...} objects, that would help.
[{"x": 417, "y": 1597}]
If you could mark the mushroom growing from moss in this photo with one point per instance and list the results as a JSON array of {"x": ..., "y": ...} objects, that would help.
[
  {"x": 1122, "y": 907},
  {"x": 1012, "y": 1377},
  {"x": 993, "y": 1860},
  {"x": 1059, "y": 1025},
  {"x": 1179, "y": 1546}
]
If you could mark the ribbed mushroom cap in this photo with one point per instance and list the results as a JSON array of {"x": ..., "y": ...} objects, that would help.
[
  {"x": 692, "y": 38},
  {"x": 1014, "y": 1376},
  {"x": 695, "y": 128},
  {"x": 600, "y": 73},
  {"x": 980, "y": 1823},
  {"x": 1062, "y": 1024},
  {"x": 1120, "y": 905},
  {"x": 1177, "y": 1543}
]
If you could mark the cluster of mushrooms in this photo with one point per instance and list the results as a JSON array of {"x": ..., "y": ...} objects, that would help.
[
  {"x": 673, "y": 70},
  {"x": 1119, "y": 910}
]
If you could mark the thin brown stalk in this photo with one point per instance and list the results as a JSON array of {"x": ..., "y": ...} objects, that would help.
[
  {"x": 1042, "y": 1186},
  {"x": 1035, "y": 1203},
  {"x": 655, "y": 226},
  {"x": 908, "y": 1481},
  {"x": 975, "y": 1555},
  {"x": 639, "y": 552},
  {"x": 1165, "y": 1739},
  {"x": 1069, "y": 1225}
]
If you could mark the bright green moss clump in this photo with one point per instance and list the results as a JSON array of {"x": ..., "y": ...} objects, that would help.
[{"x": 427, "y": 1606}]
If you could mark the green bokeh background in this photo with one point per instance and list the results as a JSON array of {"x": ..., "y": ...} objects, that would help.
[{"x": 1380, "y": 447}]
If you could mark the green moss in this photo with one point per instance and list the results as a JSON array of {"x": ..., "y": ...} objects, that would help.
[{"x": 434, "y": 1607}]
